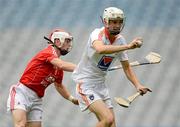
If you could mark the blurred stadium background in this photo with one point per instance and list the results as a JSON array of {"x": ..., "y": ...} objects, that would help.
[{"x": 23, "y": 23}]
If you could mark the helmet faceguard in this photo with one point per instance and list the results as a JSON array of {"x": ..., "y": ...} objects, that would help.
[
  {"x": 63, "y": 37},
  {"x": 113, "y": 13}
]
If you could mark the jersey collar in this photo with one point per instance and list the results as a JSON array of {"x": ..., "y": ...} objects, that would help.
[{"x": 107, "y": 35}]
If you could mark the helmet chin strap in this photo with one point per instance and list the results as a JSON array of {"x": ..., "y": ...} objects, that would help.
[
  {"x": 62, "y": 51},
  {"x": 114, "y": 32}
]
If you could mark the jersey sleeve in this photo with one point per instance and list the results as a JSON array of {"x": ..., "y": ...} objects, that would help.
[
  {"x": 89, "y": 48},
  {"x": 46, "y": 55},
  {"x": 50, "y": 55},
  {"x": 94, "y": 36},
  {"x": 123, "y": 56}
]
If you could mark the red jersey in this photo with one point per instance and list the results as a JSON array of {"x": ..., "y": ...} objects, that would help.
[{"x": 40, "y": 73}]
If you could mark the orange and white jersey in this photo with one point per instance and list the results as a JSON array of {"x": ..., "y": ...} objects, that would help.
[{"x": 93, "y": 66}]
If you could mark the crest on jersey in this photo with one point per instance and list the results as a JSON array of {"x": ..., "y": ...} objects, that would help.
[
  {"x": 105, "y": 62},
  {"x": 91, "y": 97}
]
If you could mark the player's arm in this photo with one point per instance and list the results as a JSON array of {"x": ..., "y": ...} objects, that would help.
[
  {"x": 132, "y": 77},
  {"x": 65, "y": 93},
  {"x": 101, "y": 48},
  {"x": 66, "y": 66}
]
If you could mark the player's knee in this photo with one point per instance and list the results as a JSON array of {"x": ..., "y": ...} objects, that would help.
[
  {"x": 109, "y": 120},
  {"x": 20, "y": 124}
]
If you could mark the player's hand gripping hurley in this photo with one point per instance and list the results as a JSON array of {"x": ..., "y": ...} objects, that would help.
[
  {"x": 151, "y": 58},
  {"x": 126, "y": 102}
]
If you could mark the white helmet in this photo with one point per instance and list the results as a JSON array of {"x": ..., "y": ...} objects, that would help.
[
  {"x": 61, "y": 35},
  {"x": 112, "y": 13}
]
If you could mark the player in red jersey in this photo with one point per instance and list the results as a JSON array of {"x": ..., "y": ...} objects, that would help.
[{"x": 45, "y": 68}]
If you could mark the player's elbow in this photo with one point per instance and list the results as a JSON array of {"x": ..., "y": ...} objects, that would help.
[
  {"x": 66, "y": 66},
  {"x": 61, "y": 66},
  {"x": 100, "y": 50}
]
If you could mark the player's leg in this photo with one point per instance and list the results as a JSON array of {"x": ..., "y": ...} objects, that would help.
[
  {"x": 25, "y": 105},
  {"x": 34, "y": 116},
  {"x": 19, "y": 117},
  {"x": 114, "y": 123},
  {"x": 103, "y": 113},
  {"x": 108, "y": 103},
  {"x": 16, "y": 104}
]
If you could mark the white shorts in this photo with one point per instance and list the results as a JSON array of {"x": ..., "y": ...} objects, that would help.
[
  {"x": 88, "y": 93},
  {"x": 21, "y": 97}
]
